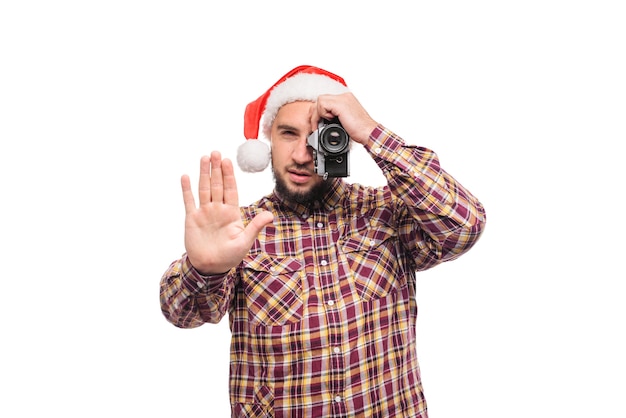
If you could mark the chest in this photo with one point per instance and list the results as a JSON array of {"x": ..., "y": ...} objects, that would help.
[{"x": 319, "y": 262}]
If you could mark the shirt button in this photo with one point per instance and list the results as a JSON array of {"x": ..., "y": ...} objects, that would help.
[
  {"x": 378, "y": 150},
  {"x": 372, "y": 243},
  {"x": 320, "y": 225},
  {"x": 337, "y": 350},
  {"x": 200, "y": 285},
  {"x": 337, "y": 398},
  {"x": 323, "y": 262},
  {"x": 331, "y": 302}
]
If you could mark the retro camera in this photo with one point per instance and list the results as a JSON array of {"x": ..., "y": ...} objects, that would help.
[{"x": 331, "y": 145}]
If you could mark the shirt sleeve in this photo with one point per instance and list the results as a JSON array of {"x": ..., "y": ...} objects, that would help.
[
  {"x": 444, "y": 219},
  {"x": 189, "y": 299}
]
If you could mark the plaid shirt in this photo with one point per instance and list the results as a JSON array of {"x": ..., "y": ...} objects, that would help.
[{"x": 322, "y": 310}]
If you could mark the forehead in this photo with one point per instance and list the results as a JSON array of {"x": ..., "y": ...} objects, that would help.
[{"x": 295, "y": 110}]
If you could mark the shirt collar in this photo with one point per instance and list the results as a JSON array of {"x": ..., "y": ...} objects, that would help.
[{"x": 332, "y": 198}]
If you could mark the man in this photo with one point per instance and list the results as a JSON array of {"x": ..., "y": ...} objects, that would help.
[{"x": 318, "y": 278}]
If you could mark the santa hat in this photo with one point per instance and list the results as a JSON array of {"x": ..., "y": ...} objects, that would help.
[{"x": 303, "y": 83}]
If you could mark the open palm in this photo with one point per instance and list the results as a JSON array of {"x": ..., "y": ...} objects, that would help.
[{"x": 216, "y": 239}]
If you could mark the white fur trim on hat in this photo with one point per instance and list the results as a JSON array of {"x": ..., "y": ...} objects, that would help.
[{"x": 300, "y": 87}]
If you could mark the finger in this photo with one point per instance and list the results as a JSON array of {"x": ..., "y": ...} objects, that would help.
[
  {"x": 231, "y": 196},
  {"x": 330, "y": 106},
  {"x": 257, "y": 224},
  {"x": 217, "y": 180},
  {"x": 314, "y": 117},
  {"x": 324, "y": 107},
  {"x": 188, "y": 199},
  {"x": 204, "y": 184}
]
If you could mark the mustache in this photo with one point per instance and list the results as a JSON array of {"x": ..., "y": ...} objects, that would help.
[{"x": 300, "y": 168}]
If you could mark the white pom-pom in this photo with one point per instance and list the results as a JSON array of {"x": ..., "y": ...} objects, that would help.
[{"x": 253, "y": 156}]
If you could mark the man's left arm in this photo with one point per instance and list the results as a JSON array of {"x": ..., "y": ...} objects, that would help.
[{"x": 449, "y": 218}]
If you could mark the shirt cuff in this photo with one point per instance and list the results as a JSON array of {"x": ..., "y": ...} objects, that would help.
[
  {"x": 196, "y": 282},
  {"x": 390, "y": 151},
  {"x": 384, "y": 146}
]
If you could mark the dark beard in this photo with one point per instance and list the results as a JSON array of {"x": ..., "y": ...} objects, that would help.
[{"x": 317, "y": 193}]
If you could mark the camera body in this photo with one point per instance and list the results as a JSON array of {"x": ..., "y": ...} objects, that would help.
[{"x": 331, "y": 147}]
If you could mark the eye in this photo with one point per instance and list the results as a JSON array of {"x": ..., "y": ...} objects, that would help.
[{"x": 289, "y": 134}]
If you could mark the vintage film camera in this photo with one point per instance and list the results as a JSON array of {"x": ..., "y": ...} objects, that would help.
[{"x": 331, "y": 146}]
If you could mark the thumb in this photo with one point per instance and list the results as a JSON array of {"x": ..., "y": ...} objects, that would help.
[{"x": 257, "y": 223}]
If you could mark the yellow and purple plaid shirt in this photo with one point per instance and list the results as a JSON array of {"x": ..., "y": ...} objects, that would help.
[{"x": 322, "y": 310}]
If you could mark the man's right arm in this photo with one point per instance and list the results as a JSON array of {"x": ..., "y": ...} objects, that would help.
[
  {"x": 216, "y": 240},
  {"x": 189, "y": 299}
]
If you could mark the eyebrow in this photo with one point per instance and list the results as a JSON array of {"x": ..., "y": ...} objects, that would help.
[{"x": 287, "y": 127}]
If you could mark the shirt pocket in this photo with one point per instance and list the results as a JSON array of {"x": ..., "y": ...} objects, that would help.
[
  {"x": 371, "y": 253},
  {"x": 260, "y": 407},
  {"x": 273, "y": 288}
]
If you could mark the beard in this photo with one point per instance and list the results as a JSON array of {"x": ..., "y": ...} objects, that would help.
[{"x": 305, "y": 197}]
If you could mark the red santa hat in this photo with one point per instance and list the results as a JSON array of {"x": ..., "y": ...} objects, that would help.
[{"x": 303, "y": 83}]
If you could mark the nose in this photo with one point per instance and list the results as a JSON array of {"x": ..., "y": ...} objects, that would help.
[{"x": 302, "y": 153}]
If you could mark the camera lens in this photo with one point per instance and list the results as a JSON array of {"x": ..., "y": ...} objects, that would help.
[{"x": 334, "y": 139}]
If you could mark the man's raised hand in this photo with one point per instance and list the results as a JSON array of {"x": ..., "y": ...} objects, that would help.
[{"x": 215, "y": 237}]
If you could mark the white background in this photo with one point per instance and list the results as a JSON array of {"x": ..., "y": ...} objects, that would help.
[{"x": 103, "y": 105}]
